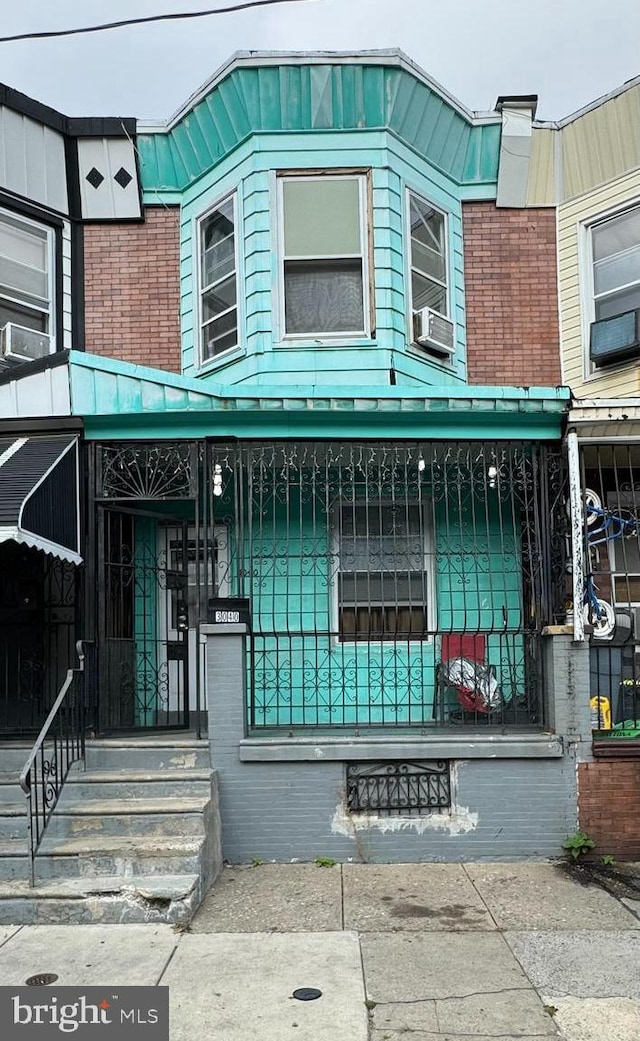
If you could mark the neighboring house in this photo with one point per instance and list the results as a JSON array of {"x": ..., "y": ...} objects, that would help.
[
  {"x": 326, "y": 487},
  {"x": 55, "y": 175},
  {"x": 597, "y": 176}
]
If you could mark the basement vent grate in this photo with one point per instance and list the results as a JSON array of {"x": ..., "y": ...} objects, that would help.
[{"x": 399, "y": 788}]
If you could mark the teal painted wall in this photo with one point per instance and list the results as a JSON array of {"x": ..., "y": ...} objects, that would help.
[
  {"x": 145, "y": 620},
  {"x": 295, "y": 663},
  {"x": 264, "y": 356}
]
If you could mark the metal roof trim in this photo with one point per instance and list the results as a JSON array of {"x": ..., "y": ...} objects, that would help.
[{"x": 255, "y": 59}]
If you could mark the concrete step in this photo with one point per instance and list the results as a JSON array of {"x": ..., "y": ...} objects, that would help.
[
  {"x": 134, "y": 784},
  {"x": 10, "y": 790},
  {"x": 157, "y": 753},
  {"x": 119, "y": 855},
  {"x": 135, "y": 835},
  {"x": 160, "y": 898},
  {"x": 13, "y": 820},
  {"x": 140, "y": 816},
  {"x": 13, "y": 756}
]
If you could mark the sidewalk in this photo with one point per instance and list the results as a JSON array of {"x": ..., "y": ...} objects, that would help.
[{"x": 430, "y": 952}]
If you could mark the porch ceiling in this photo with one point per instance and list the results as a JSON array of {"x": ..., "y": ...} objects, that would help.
[{"x": 606, "y": 419}]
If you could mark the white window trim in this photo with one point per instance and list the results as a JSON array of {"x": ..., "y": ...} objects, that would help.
[
  {"x": 320, "y": 337},
  {"x": 586, "y": 288},
  {"x": 201, "y": 361},
  {"x": 420, "y": 352},
  {"x": 428, "y": 528},
  {"x": 51, "y": 272}
]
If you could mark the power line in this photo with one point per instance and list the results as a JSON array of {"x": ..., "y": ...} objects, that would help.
[{"x": 141, "y": 21}]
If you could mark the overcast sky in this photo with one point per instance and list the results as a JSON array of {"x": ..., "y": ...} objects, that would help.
[{"x": 569, "y": 52}]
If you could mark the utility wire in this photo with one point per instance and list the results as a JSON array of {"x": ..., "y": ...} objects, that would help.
[{"x": 141, "y": 21}]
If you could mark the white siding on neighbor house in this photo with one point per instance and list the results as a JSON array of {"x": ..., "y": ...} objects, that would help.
[
  {"x": 44, "y": 393},
  {"x": 621, "y": 380},
  {"x": 66, "y": 286},
  {"x": 32, "y": 160}
]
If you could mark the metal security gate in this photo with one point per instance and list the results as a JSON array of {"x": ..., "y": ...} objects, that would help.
[
  {"x": 146, "y": 605},
  {"x": 38, "y": 595},
  {"x": 143, "y": 656},
  {"x": 393, "y": 584},
  {"x": 610, "y": 479}
]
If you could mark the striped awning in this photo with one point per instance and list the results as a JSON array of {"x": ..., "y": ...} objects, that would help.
[{"x": 39, "y": 494}]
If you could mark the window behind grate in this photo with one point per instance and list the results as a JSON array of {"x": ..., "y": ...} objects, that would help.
[{"x": 398, "y": 788}]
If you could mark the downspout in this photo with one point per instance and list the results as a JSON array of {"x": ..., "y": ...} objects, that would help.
[{"x": 577, "y": 536}]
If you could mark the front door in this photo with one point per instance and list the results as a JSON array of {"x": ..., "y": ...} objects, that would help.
[
  {"x": 144, "y": 646},
  {"x": 180, "y": 612}
]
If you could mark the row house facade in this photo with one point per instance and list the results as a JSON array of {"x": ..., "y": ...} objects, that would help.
[{"x": 283, "y": 446}]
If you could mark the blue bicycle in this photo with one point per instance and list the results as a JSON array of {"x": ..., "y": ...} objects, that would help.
[{"x": 603, "y": 527}]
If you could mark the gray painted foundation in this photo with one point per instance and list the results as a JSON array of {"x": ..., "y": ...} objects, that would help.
[{"x": 283, "y": 798}]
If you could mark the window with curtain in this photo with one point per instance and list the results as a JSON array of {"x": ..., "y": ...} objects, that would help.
[
  {"x": 26, "y": 273},
  {"x": 382, "y": 575},
  {"x": 218, "y": 281},
  {"x": 324, "y": 251}
]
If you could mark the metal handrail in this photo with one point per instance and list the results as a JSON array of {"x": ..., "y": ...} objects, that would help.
[{"x": 46, "y": 768}]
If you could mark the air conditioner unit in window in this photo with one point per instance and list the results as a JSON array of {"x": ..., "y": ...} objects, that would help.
[
  {"x": 615, "y": 339},
  {"x": 434, "y": 332},
  {"x": 16, "y": 341}
]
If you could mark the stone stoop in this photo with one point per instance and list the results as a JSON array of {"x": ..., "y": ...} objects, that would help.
[{"x": 135, "y": 836}]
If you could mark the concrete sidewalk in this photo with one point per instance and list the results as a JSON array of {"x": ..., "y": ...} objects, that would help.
[{"x": 434, "y": 952}]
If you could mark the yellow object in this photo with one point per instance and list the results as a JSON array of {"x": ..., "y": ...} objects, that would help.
[{"x": 600, "y": 713}]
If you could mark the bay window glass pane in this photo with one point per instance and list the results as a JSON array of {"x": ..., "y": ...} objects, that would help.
[
  {"x": 322, "y": 217},
  {"x": 425, "y": 293},
  {"x": 618, "y": 234},
  {"x": 427, "y": 260},
  {"x": 220, "y": 335},
  {"x": 219, "y": 299},
  {"x": 323, "y": 296},
  {"x": 427, "y": 227},
  {"x": 218, "y": 245}
]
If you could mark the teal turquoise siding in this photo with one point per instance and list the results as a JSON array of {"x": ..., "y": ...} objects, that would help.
[
  {"x": 148, "y": 658},
  {"x": 314, "y": 97},
  {"x": 264, "y": 355},
  {"x": 120, "y": 400},
  {"x": 381, "y": 117},
  {"x": 297, "y": 660}
]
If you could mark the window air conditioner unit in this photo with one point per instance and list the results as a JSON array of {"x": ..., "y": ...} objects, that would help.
[
  {"x": 615, "y": 339},
  {"x": 16, "y": 341},
  {"x": 434, "y": 332}
]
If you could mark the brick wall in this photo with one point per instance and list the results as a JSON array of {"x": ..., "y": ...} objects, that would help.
[
  {"x": 511, "y": 295},
  {"x": 132, "y": 290},
  {"x": 609, "y": 806}
]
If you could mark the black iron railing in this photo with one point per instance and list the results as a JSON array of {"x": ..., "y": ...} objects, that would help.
[
  {"x": 392, "y": 584},
  {"x": 611, "y": 487},
  {"x": 60, "y": 743}
]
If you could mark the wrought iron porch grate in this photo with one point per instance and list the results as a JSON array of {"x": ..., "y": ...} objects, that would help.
[{"x": 398, "y": 788}]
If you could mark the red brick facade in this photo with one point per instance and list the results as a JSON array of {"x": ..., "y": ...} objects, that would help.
[
  {"x": 132, "y": 290},
  {"x": 609, "y": 806},
  {"x": 511, "y": 295}
]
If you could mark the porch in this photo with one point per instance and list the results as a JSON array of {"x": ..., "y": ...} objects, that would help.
[{"x": 386, "y": 585}]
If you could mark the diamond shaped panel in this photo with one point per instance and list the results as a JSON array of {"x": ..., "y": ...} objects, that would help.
[{"x": 94, "y": 177}]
